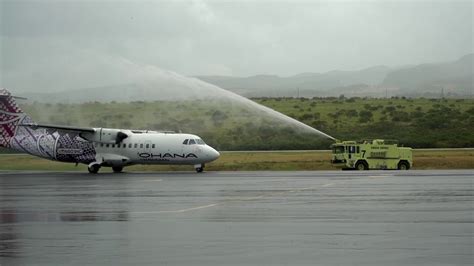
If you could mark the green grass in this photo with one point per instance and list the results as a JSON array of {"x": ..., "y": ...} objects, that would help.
[{"x": 253, "y": 161}]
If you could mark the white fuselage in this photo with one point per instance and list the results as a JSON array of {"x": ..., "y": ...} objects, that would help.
[{"x": 155, "y": 148}]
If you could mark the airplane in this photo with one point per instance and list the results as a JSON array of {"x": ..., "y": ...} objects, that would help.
[{"x": 98, "y": 147}]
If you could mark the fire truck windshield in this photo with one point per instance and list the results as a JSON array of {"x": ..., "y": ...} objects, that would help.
[{"x": 338, "y": 149}]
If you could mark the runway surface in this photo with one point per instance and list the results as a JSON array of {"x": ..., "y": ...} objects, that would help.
[{"x": 237, "y": 218}]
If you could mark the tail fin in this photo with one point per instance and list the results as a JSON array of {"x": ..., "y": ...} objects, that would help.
[{"x": 10, "y": 116}]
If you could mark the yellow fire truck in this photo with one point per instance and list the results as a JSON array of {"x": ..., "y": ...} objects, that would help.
[{"x": 371, "y": 154}]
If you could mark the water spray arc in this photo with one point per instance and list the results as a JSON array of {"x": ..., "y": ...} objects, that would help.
[{"x": 266, "y": 110}]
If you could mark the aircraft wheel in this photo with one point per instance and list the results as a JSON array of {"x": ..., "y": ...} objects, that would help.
[
  {"x": 94, "y": 169},
  {"x": 199, "y": 167},
  {"x": 117, "y": 169}
]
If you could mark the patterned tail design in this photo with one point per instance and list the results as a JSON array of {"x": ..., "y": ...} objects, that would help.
[
  {"x": 61, "y": 146},
  {"x": 10, "y": 116}
]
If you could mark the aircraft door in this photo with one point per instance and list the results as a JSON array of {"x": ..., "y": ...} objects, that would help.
[{"x": 184, "y": 146}]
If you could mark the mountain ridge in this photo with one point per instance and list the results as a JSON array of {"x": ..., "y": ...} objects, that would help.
[
  {"x": 411, "y": 80},
  {"x": 451, "y": 79}
]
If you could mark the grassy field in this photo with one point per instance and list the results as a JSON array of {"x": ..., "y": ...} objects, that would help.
[
  {"x": 418, "y": 123},
  {"x": 240, "y": 161}
]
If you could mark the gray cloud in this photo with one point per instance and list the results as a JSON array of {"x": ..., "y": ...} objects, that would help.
[{"x": 41, "y": 40}]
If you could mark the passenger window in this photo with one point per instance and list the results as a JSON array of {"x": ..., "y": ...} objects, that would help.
[
  {"x": 130, "y": 145},
  {"x": 152, "y": 146},
  {"x": 185, "y": 142},
  {"x": 106, "y": 145},
  {"x": 113, "y": 145},
  {"x": 124, "y": 146},
  {"x": 147, "y": 146},
  {"x": 191, "y": 142},
  {"x": 102, "y": 144},
  {"x": 141, "y": 145},
  {"x": 135, "y": 145},
  {"x": 358, "y": 149}
]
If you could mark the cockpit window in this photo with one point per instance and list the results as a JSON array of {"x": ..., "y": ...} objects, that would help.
[{"x": 193, "y": 141}]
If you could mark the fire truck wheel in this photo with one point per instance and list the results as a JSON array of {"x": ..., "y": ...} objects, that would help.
[
  {"x": 403, "y": 166},
  {"x": 361, "y": 166}
]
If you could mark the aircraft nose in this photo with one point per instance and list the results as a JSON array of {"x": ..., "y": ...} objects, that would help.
[{"x": 213, "y": 154}]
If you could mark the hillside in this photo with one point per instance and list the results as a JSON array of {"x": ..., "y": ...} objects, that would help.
[
  {"x": 308, "y": 84},
  {"x": 454, "y": 78}
]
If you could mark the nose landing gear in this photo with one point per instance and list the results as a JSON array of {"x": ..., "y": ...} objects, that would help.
[{"x": 199, "y": 168}]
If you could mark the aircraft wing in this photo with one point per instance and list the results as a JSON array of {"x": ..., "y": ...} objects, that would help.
[
  {"x": 102, "y": 135},
  {"x": 61, "y": 128}
]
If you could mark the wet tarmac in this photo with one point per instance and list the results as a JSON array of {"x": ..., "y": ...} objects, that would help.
[{"x": 237, "y": 218}]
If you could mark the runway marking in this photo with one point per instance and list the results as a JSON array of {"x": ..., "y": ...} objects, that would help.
[
  {"x": 235, "y": 200},
  {"x": 182, "y": 210},
  {"x": 280, "y": 193},
  {"x": 248, "y": 198},
  {"x": 197, "y": 208},
  {"x": 379, "y": 176}
]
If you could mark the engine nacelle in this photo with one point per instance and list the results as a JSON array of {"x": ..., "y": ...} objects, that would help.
[{"x": 105, "y": 135}]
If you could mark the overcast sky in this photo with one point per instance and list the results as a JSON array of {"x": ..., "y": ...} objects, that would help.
[{"x": 238, "y": 38}]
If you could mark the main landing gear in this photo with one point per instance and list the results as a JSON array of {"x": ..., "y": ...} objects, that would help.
[
  {"x": 199, "y": 168},
  {"x": 117, "y": 169},
  {"x": 93, "y": 168}
]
